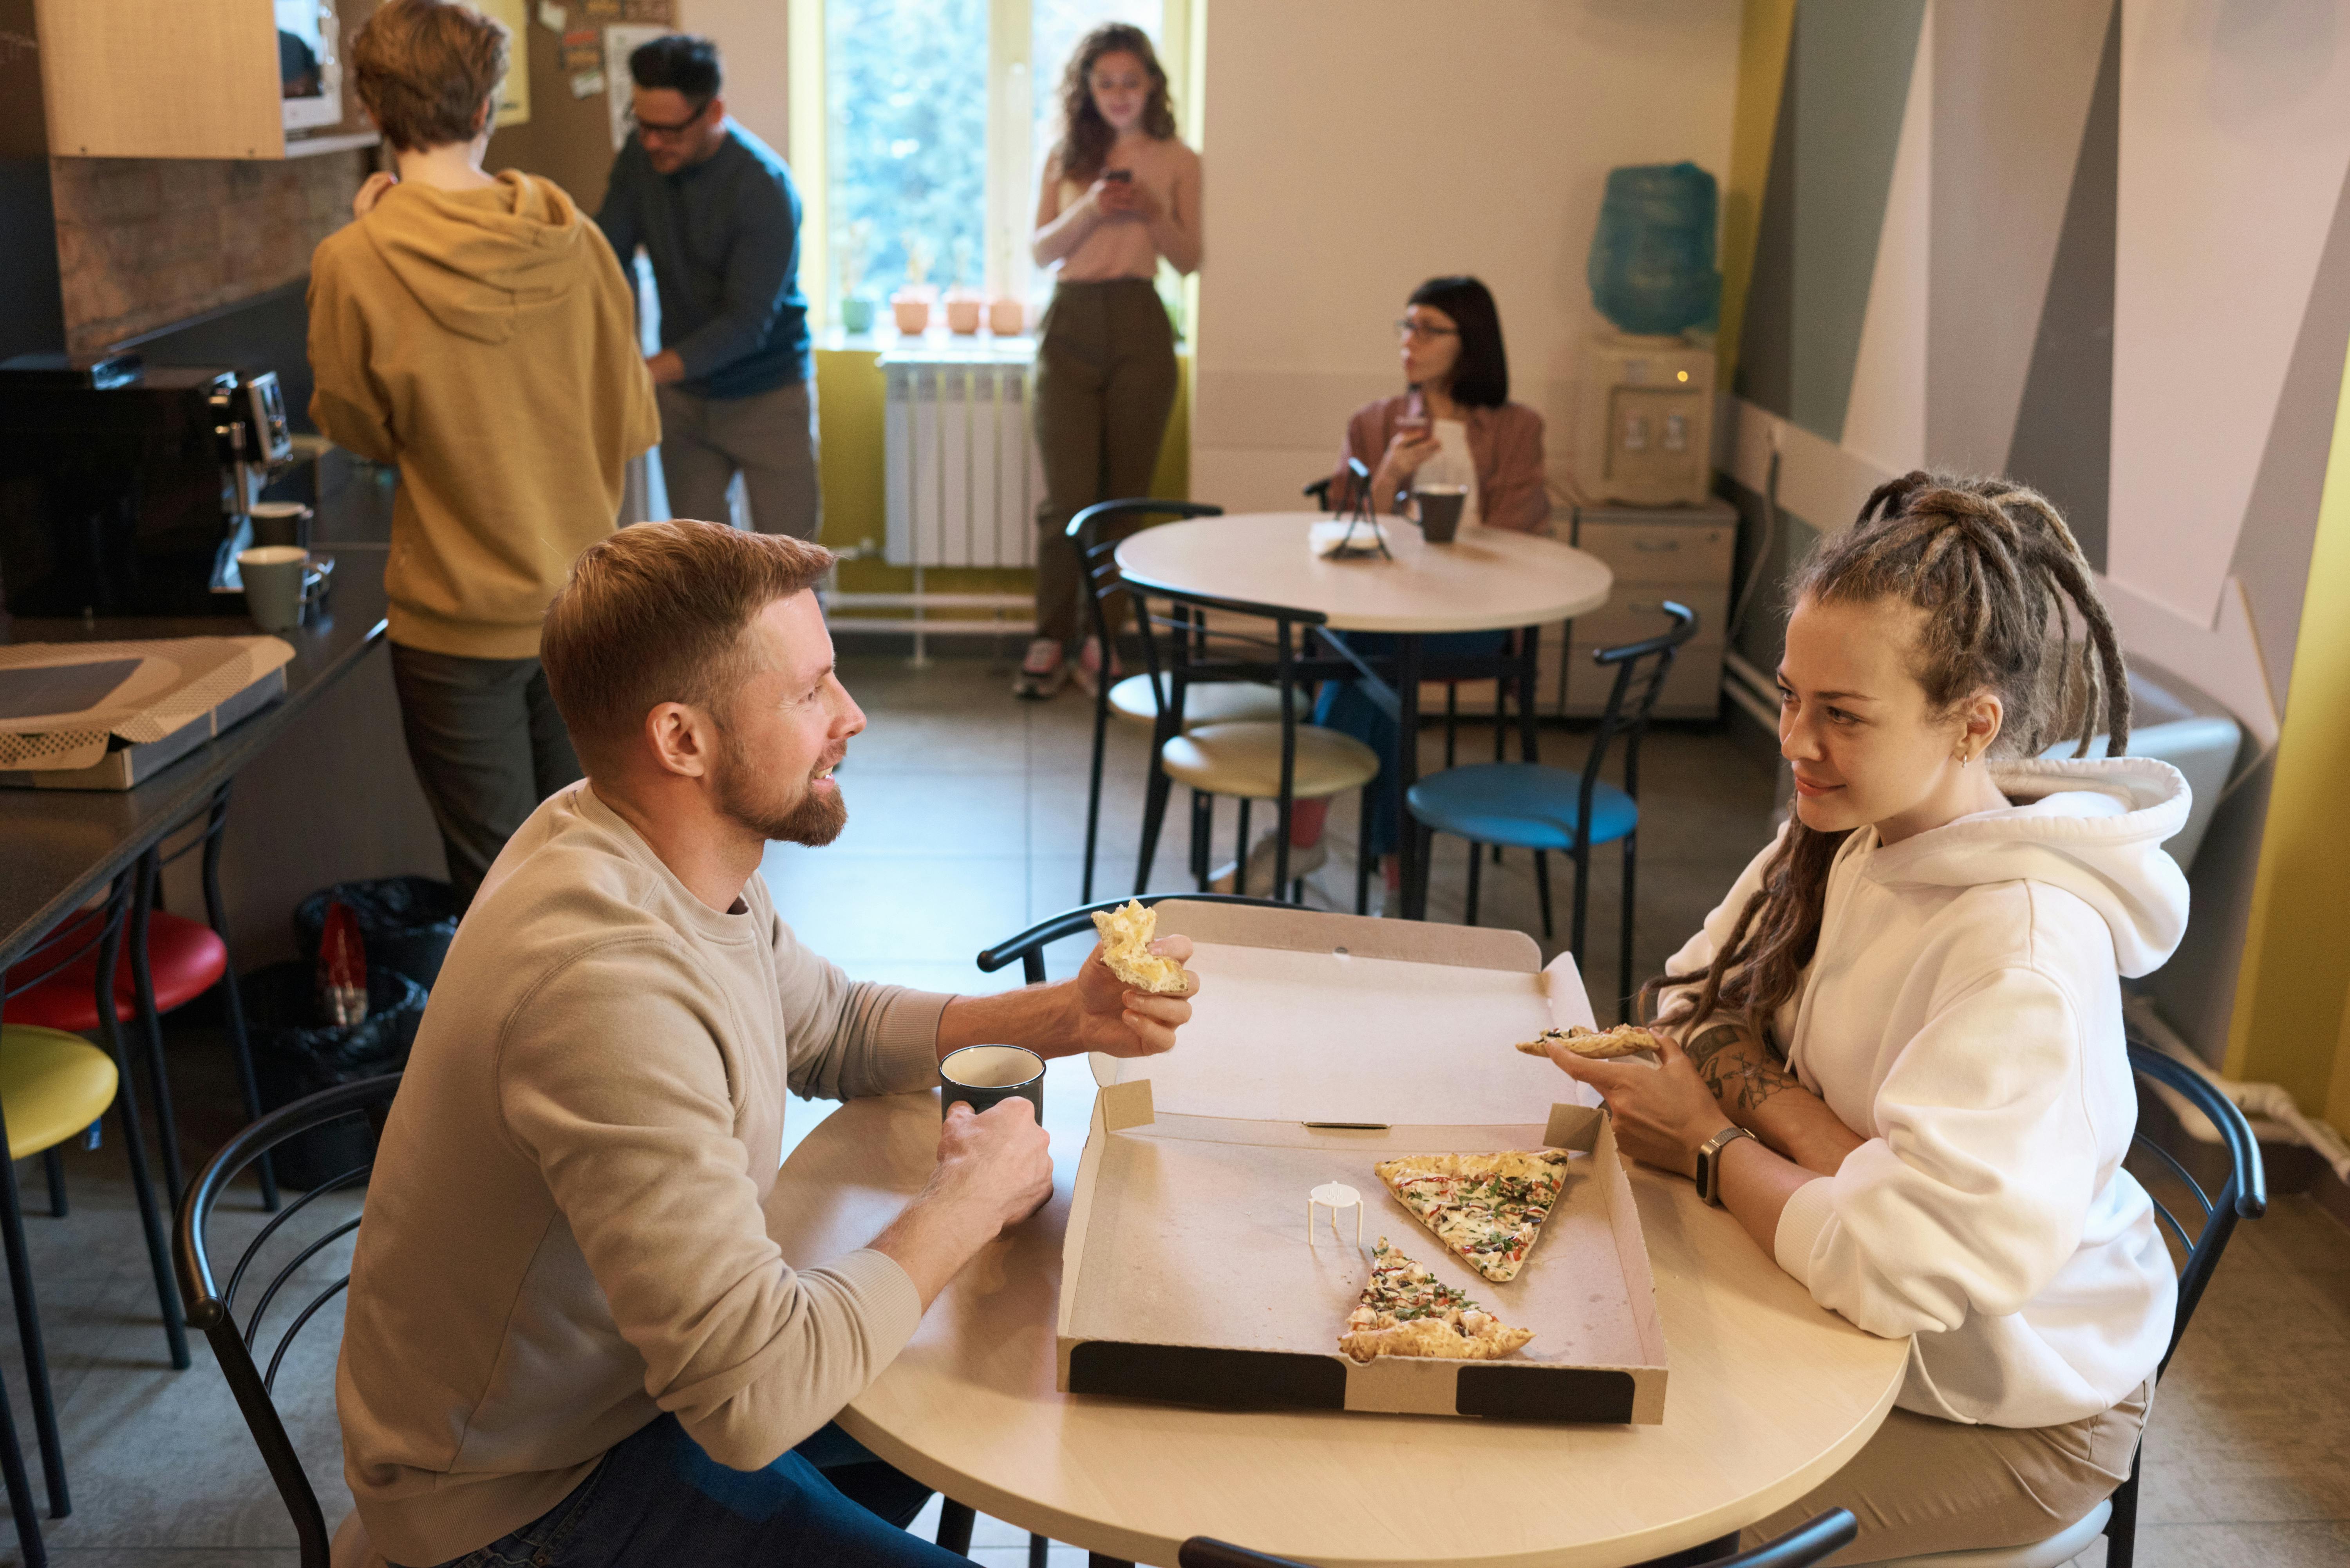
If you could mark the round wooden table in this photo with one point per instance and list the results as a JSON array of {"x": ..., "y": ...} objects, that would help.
[
  {"x": 1488, "y": 579},
  {"x": 1769, "y": 1396}
]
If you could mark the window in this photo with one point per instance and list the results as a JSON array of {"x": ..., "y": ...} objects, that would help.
[{"x": 930, "y": 121}]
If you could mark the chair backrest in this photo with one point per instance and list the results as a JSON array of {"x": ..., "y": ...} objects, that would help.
[
  {"x": 1029, "y": 946},
  {"x": 2243, "y": 1194},
  {"x": 71, "y": 937},
  {"x": 1089, "y": 531},
  {"x": 1641, "y": 670},
  {"x": 1805, "y": 1544},
  {"x": 213, "y": 1309}
]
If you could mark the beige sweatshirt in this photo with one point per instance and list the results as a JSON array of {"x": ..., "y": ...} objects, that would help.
[
  {"x": 486, "y": 342},
  {"x": 563, "y": 1234}
]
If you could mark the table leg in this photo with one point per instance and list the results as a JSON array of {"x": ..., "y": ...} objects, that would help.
[
  {"x": 1529, "y": 672},
  {"x": 1415, "y": 881}
]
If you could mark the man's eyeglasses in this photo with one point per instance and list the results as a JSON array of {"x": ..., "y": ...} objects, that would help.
[
  {"x": 1422, "y": 331},
  {"x": 654, "y": 130}
]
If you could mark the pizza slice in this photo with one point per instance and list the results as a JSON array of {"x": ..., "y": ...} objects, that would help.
[
  {"x": 1489, "y": 1207},
  {"x": 1406, "y": 1311},
  {"x": 1125, "y": 937},
  {"x": 1624, "y": 1040}
]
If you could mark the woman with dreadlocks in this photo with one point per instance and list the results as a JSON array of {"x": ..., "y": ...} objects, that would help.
[{"x": 1895, "y": 1051}]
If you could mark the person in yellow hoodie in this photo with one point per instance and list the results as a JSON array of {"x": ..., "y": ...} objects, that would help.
[{"x": 475, "y": 330}]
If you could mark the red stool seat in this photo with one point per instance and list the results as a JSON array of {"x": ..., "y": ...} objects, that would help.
[{"x": 187, "y": 958}]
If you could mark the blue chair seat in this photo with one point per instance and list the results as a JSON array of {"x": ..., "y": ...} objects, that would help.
[{"x": 1524, "y": 805}]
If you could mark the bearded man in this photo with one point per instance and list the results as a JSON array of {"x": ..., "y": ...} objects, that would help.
[{"x": 570, "y": 1339}]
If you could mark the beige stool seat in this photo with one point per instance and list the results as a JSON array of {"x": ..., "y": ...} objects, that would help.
[
  {"x": 1243, "y": 760},
  {"x": 2054, "y": 1552},
  {"x": 1208, "y": 702}
]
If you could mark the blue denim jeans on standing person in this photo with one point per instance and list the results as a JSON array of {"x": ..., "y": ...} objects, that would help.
[
  {"x": 1343, "y": 706},
  {"x": 658, "y": 1501}
]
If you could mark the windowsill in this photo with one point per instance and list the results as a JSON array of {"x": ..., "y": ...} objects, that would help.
[{"x": 938, "y": 346}]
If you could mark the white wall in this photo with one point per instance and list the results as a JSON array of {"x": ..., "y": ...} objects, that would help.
[
  {"x": 753, "y": 38},
  {"x": 1354, "y": 149}
]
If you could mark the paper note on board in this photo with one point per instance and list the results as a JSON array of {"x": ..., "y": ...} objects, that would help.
[
  {"x": 513, "y": 93},
  {"x": 552, "y": 16},
  {"x": 587, "y": 84},
  {"x": 619, "y": 43}
]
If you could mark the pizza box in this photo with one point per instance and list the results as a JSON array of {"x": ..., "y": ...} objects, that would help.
[
  {"x": 111, "y": 715},
  {"x": 1319, "y": 1046}
]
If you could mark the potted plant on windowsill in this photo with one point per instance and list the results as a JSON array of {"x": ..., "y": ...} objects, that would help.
[
  {"x": 856, "y": 310},
  {"x": 911, "y": 304}
]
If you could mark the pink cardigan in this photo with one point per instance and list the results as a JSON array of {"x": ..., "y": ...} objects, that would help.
[{"x": 1506, "y": 446}]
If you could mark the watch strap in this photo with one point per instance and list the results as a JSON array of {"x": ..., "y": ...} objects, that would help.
[{"x": 1709, "y": 1163}]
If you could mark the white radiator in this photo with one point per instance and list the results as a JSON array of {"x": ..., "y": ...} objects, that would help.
[{"x": 963, "y": 478}]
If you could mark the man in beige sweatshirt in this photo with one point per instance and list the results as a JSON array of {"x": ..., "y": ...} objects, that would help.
[
  {"x": 476, "y": 331},
  {"x": 570, "y": 1341}
]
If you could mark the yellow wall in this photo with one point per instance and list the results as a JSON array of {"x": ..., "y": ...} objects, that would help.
[
  {"x": 1766, "y": 27},
  {"x": 849, "y": 388},
  {"x": 2291, "y": 1022}
]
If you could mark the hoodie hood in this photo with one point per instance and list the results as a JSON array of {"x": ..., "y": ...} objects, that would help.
[
  {"x": 2095, "y": 829},
  {"x": 476, "y": 261}
]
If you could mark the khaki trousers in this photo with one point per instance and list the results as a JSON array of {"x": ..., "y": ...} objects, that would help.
[
  {"x": 1922, "y": 1485},
  {"x": 770, "y": 438},
  {"x": 1105, "y": 386}
]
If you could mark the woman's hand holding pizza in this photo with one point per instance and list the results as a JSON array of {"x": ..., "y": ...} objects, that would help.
[{"x": 1661, "y": 1114}]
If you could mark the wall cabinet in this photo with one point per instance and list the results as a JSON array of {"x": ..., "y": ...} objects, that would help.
[{"x": 198, "y": 78}]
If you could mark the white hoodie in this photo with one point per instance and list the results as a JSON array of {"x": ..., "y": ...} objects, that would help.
[{"x": 1963, "y": 1012}]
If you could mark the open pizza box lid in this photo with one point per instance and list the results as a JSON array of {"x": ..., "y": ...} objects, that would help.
[{"x": 1188, "y": 1274}]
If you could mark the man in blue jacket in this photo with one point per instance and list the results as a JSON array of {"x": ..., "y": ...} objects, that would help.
[{"x": 718, "y": 214}]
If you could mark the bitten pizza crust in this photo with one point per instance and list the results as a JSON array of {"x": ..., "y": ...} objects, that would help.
[
  {"x": 1624, "y": 1040},
  {"x": 1406, "y": 1311},
  {"x": 1488, "y": 1207},
  {"x": 1126, "y": 938}
]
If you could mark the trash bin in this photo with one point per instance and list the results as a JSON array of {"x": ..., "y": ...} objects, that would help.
[
  {"x": 293, "y": 1054},
  {"x": 405, "y": 921}
]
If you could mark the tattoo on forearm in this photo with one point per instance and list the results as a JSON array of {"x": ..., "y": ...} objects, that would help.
[{"x": 1741, "y": 1079}]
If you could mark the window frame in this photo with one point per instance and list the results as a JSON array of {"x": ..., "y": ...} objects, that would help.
[{"x": 1011, "y": 193}]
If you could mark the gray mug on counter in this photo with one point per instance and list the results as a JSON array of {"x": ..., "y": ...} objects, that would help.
[
  {"x": 986, "y": 1075},
  {"x": 1440, "y": 510},
  {"x": 276, "y": 582}
]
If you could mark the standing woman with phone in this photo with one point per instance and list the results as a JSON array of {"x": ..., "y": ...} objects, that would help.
[{"x": 1120, "y": 191}]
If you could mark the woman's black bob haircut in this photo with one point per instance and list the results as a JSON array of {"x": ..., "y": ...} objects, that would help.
[
  {"x": 1480, "y": 377},
  {"x": 680, "y": 62}
]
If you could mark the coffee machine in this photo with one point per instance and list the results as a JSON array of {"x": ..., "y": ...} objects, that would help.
[{"x": 127, "y": 490}]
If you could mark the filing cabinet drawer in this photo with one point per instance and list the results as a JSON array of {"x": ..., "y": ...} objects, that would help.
[
  {"x": 1645, "y": 552},
  {"x": 1636, "y": 611},
  {"x": 1693, "y": 689}
]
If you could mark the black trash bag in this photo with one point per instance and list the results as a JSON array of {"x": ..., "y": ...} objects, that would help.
[
  {"x": 405, "y": 921},
  {"x": 293, "y": 1054}
]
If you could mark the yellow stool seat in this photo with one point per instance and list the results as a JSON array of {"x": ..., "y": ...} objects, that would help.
[
  {"x": 1244, "y": 761},
  {"x": 52, "y": 1085},
  {"x": 1208, "y": 702}
]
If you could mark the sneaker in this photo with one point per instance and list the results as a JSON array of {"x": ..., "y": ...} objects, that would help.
[
  {"x": 1303, "y": 861},
  {"x": 1087, "y": 670},
  {"x": 1042, "y": 672}
]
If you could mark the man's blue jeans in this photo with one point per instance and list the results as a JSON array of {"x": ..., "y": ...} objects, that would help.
[
  {"x": 1346, "y": 708},
  {"x": 658, "y": 1501}
]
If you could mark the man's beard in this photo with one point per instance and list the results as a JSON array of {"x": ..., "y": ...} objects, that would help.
[{"x": 747, "y": 798}]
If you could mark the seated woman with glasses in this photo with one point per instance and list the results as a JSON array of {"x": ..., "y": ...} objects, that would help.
[{"x": 1452, "y": 425}]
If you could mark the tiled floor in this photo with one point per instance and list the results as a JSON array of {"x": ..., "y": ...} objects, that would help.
[{"x": 966, "y": 817}]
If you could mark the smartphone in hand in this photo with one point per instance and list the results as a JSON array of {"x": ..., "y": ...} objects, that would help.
[{"x": 1118, "y": 176}]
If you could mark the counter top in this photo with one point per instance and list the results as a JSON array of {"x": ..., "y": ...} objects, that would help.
[{"x": 58, "y": 849}]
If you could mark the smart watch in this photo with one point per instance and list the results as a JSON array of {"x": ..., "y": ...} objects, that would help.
[{"x": 1709, "y": 1162}]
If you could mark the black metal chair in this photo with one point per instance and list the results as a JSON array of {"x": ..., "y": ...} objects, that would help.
[
  {"x": 1207, "y": 692},
  {"x": 213, "y": 1309},
  {"x": 1136, "y": 698},
  {"x": 1541, "y": 808},
  {"x": 1807, "y": 1544},
  {"x": 1029, "y": 946}
]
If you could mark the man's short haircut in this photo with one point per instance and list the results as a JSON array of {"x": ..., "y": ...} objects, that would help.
[
  {"x": 679, "y": 62},
  {"x": 658, "y": 613},
  {"x": 425, "y": 67}
]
